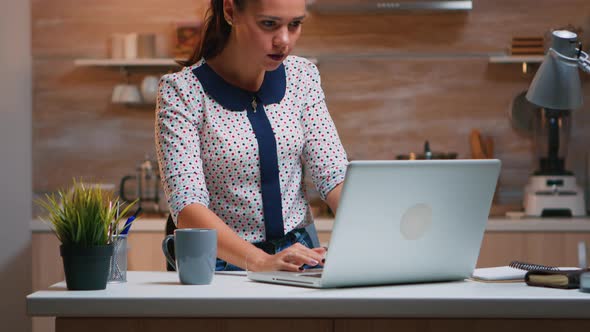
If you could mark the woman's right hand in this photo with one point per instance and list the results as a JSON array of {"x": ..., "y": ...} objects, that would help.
[{"x": 292, "y": 259}]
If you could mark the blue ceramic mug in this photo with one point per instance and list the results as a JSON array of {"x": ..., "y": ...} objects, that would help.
[{"x": 196, "y": 253}]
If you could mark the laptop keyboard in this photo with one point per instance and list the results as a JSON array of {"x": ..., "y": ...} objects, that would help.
[{"x": 314, "y": 273}]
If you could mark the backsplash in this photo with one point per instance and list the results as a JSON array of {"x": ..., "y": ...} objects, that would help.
[{"x": 392, "y": 81}]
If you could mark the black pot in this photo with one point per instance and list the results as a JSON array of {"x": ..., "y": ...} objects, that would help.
[{"x": 86, "y": 268}]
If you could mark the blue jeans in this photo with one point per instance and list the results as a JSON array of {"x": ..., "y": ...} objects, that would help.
[{"x": 298, "y": 235}]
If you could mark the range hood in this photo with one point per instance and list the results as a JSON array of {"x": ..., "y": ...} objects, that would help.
[{"x": 351, "y": 6}]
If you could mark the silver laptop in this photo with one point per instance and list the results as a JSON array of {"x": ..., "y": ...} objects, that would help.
[{"x": 404, "y": 222}]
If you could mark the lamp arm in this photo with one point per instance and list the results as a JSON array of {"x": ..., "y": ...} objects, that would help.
[{"x": 583, "y": 60}]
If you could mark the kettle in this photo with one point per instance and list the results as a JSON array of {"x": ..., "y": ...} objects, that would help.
[{"x": 147, "y": 186}]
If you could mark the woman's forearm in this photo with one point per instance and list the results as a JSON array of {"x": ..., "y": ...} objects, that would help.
[{"x": 230, "y": 247}]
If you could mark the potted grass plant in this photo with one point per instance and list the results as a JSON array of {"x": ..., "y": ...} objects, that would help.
[{"x": 85, "y": 219}]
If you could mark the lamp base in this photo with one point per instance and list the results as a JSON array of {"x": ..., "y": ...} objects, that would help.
[{"x": 554, "y": 196}]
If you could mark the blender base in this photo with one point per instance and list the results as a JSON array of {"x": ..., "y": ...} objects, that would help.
[{"x": 547, "y": 195}]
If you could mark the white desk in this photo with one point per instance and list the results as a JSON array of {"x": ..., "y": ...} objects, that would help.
[{"x": 151, "y": 300}]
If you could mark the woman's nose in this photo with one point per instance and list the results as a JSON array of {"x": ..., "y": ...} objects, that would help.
[{"x": 281, "y": 39}]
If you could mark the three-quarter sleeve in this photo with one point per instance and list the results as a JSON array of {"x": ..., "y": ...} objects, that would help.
[
  {"x": 178, "y": 146},
  {"x": 323, "y": 153}
]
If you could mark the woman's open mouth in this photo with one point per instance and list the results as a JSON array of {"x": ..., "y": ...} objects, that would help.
[{"x": 277, "y": 57}]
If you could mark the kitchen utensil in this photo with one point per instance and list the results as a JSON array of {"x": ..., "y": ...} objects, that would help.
[
  {"x": 117, "y": 93},
  {"x": 149, "y": 89},
  {"x": 163, "y": 46},
  {"x": 132, "y": 45},
  {"x": 582, "y": 253},
  {"x": 481, "y": 147},
  {"x": 131, "y": 95},
  {"x": 420, "y": 156},
  {"x": 126, "y": 94},
  {"x": 146, "y": 186},
  {"x": 117, "y": 46},
  {"x": 477, "y": 152},
  {"x": 118, "y": 265},
  {"x": 489, "y": 146},
  {"x": 427, "y": 154},
  {"x": 130, "y": 49},
  {"x": 146, "y": 45}
]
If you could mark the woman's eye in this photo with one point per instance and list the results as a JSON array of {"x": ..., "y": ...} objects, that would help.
[
  {"x": 295, "y": 24},
  {"x": 268, "y": 24}
]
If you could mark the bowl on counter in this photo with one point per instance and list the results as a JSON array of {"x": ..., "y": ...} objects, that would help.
[{"x": 422, "y": 156}]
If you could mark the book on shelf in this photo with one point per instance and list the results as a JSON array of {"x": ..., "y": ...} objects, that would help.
[
  {"x": 531, "y": 50},
  {"x": 527, "y": 46},
  {"x": 514, "y": 272}
]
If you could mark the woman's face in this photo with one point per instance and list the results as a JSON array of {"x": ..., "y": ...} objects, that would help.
[{"x": 266, "y": 30}]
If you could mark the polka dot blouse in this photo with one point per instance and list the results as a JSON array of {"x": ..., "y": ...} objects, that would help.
[{"x": 208, "y": 153}]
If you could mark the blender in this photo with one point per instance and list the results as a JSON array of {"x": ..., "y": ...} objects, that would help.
[{"x": 552, "y": 190}]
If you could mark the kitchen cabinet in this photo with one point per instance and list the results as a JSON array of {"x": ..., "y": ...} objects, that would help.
[
  {"x": 547, "y": 248},
  {"x": 542, "y": 241}
]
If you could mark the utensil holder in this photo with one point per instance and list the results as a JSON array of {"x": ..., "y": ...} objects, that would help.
[{"x": 118, "y": 265}]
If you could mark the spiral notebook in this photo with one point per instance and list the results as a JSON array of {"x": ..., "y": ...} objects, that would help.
[{"x": 514, "y": 272}]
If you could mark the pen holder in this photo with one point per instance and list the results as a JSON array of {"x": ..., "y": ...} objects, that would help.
[{"x": 118, "y": 266}]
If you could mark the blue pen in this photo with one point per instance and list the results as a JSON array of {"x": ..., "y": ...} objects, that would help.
[{"x": 129, "y": 221}]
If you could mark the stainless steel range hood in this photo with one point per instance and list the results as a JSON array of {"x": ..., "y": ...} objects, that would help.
[{"x": 352, "y": 6}]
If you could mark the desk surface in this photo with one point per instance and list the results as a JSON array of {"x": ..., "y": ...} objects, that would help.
[{"x": 159, "y": 294}]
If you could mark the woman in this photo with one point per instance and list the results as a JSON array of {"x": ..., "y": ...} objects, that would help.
[{"x": 234, "y": 129}]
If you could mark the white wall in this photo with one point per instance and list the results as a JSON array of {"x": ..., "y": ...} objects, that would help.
[{"x": 15, "y": 163}]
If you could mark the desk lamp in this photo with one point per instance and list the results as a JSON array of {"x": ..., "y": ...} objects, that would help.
[{"x": 552, "y": 190}]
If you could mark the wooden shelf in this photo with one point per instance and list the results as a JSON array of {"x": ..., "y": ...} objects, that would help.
[
  {"x": 516, "y": 58},
  {"x": 334, "y": 7},
  {"x": 126, "y": 62}
]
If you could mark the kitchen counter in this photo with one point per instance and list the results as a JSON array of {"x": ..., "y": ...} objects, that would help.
[
  {"x": 155, "y": 302},
  {"x": 495, "y": 224},
  {"x": 159, "y": 294},
  {"x": 546, "y": 241}
]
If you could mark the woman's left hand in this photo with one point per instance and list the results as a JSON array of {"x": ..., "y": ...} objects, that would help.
[{"x": 293, "y": 259}]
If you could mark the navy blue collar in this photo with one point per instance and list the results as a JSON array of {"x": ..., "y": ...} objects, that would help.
[{"x": 233, "y": 98}]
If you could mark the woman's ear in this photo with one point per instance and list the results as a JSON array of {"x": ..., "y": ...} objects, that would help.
[{"x": 228, "y": 11}]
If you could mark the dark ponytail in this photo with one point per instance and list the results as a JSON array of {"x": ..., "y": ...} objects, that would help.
[{"x": 216, "y": 32}]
